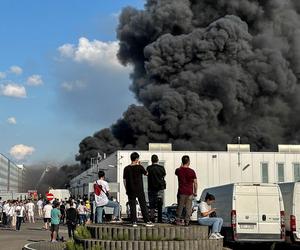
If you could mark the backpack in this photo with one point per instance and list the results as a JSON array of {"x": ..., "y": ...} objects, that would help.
[{"x": 98, "y": 189}]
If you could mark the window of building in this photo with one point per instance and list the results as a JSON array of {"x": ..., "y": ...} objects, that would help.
[
  {"x": 162, "y": 163},
  {"x": 280, "y": 172},
  {"x": 264, "y": 172},
  {"x": 296, "y": 167}
]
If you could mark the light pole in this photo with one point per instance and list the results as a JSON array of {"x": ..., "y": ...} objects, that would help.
[{"x": 239, "y": 152}]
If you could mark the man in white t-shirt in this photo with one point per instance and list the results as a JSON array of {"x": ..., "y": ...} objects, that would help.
[
  {"x": 30, "y": 211},
  {"x": 47, "y": 214},
  {"x": 101, "y": 190},
  {"x": 20, "y": 212},
  {"x": 40, "y": 207}
]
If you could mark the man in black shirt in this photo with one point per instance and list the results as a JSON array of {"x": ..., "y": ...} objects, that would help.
[
  {"x": 156, "y": 187},
  {"x": 133, "y": 181},
  {"x": 71, "y": 218}
]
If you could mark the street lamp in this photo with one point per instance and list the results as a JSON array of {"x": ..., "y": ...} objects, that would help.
[{"x": 239, "y": 151}]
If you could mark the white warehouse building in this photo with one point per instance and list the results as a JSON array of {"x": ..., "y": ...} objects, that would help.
[{"x": 213, "y": 168}]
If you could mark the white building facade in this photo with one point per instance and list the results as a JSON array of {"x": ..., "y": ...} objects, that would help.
[
  {"x": 212, "y": 168},
  {"x": 11, "y": 176}
]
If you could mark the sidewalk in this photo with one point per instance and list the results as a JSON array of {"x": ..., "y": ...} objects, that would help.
[{"x": 15, "y": 240}]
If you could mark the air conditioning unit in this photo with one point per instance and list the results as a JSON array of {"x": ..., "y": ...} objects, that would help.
[
  {"x": 238, "y": 147},
  {"x": 160, "y": 146},
  {"x": 288, "y": 148}
]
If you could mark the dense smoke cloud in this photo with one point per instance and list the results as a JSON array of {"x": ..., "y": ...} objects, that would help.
[
  {"x": 55, "y": 177},
  {"x": 207, "y": 71}
]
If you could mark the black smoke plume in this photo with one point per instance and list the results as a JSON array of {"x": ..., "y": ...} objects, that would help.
[
  {"x": 205, "y": 72},
  {"x": 55, "y": 177}
]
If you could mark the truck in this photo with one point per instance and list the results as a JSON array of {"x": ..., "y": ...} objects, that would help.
[
  {"x": 291, "y": 199},
  {"x": 252, "y": 212}
]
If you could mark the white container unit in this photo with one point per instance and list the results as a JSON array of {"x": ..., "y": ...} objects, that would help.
[
  {"x": 291, "y": 199},
  {"x": 60, "y": 194},
  {"x": 251, "y": 211}
]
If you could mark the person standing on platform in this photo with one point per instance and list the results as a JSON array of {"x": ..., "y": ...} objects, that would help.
[
  {"x": 156, "y": 187},
  {"x": 187, "y": 189},
  {"x": 133, "y": 182}
]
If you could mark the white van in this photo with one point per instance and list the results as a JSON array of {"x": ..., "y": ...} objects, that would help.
[
  {"x": 60, "y": 194},
  {"x": 291, "y": 199},
  {"x": 251, "y": 211}
]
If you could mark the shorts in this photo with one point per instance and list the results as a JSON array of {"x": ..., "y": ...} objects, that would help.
[
  {"x": 54, "y": 228},
  {"x": 47, "y": 220},
  {"x": 30, "y": 213},
  {"x": 154, "y": 197}
]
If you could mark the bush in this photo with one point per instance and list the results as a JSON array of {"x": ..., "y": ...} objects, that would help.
[
  {"x": 82, "y": 232},
  {"x": 71, "y": 245}
]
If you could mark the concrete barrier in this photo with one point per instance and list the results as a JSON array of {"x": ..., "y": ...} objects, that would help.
[
  {"x": 154, "y": 245},
  {"x": 160, "y": 237},
  {"x": 141, "y": 233}
]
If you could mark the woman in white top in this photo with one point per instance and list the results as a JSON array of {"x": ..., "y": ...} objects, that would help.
[
  {"x": 208, "y": 217},
  {"x": 82, "y": 212}
]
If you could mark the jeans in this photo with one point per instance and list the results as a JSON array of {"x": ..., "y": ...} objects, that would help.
[
  {"x": 115, "y": 205},
  {"x": 19, "y": 221},
  {"x": 156, "y": 201},
  {"x": 184, "y": 201},
  {"x": 82, "y": 219},
  {"x": 215, "y": 222}
]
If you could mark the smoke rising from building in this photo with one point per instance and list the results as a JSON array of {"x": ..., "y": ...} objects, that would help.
[{"x": 205, "y": 72}]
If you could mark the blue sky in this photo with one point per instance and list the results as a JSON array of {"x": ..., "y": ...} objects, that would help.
[{"x": 59, "y": 79}]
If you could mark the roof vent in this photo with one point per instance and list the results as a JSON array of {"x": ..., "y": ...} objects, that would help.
[
  {"x": 160, "y": 146},
  {"x": 286, "y": 148},
  {"x": 238, "y": 147}
]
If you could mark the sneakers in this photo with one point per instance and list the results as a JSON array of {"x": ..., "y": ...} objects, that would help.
[
  {"x": 214, "y": 236},
  {"x": 134, "y": 224},
  {"x": 116, "y": 221},
  {"x": 220, "y": 235},
  {"x": 149, "y": 224},
  {"x": 179, "y": 223}
]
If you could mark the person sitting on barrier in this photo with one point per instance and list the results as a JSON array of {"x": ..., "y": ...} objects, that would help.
[
  {"x": 101, "y": 190},
  {"x": 209, "y": 217}
]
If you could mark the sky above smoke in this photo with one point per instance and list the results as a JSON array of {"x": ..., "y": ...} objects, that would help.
[{"x": 205, "y": 72}]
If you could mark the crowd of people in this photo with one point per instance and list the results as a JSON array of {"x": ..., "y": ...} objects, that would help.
[
  {"x": 133, "y": 182},
  {"x": 65, "y": 212},
  {"x": 73, "y": 212},
  {"x": 15, "y": 212}
]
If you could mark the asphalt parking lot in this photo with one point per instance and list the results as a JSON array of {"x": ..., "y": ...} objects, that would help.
[{"x": 15, "y": 240}]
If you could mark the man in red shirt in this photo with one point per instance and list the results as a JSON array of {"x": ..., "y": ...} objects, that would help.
[{"x": 187, "y": 189}]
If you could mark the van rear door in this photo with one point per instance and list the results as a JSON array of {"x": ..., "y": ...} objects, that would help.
[
  {"x": 269, "y": 211},
  {"x": 296, "y": 205},
  {"x": 246, "y": 209}
]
